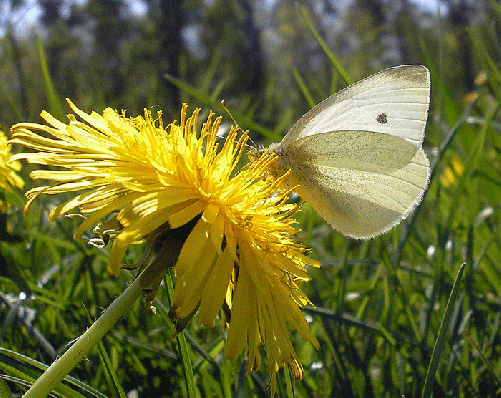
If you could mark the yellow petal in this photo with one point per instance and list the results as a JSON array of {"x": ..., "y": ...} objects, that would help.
[{"x": 216, "y": 287}]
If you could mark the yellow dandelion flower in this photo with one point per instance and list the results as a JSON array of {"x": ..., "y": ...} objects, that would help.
[
  {"x": 451, "y": 172},
  {"x": 8, "y": 168},
  {"x": 239, "y": 252}
]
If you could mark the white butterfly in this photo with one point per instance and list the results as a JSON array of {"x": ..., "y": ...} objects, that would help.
[{"x": 356, "y": 157}]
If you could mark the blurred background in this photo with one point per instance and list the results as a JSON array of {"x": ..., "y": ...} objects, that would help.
[
  {"x": 379, "y": 303},
  {"x": 117, "y": 53}
]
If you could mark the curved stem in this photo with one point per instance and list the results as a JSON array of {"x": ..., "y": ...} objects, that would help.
[{"x": 62, "y": 366}]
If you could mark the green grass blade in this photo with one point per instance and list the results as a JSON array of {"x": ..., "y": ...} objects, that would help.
[
  {"x": 303, "y": 87},
  {"x": 25, "y": 371},
  {"x": 497, "y": 7},
  {"x": 15, "y": 109},
  {"x": 439, "y": 343},
  {"x": 216, "y": 105},
  {"x": 327, "y": 51},
  {"x": 442, "y": 99},
  {"x": 183, "y": 349},
  {"x": 55, "y": 106},
  {"x": 288, "y": 383},
  {"x": 105, "y": 358},
  {"x": 4, "y": 390}
]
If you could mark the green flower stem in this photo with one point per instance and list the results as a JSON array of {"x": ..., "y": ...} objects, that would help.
[{"x": 62, "y": 366}]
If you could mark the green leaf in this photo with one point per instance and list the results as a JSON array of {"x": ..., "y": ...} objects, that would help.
[
  {"x": 440, "y": 342},
  {"x": 55, "y": 106}
]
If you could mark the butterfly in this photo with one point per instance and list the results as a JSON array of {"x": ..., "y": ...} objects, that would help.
[{"x": 357, "y": 156}]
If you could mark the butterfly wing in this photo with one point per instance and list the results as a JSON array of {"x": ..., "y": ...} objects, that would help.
[
  {"x": 357, "y": 158},
  {"x": 394, "y": 101},
  {"x": 362, "y": 185}
]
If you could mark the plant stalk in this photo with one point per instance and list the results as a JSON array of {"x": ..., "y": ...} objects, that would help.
[{"x": 56, "y": 372}]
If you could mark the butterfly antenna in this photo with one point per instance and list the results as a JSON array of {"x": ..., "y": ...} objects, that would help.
[{"x": 223, "y": 104}]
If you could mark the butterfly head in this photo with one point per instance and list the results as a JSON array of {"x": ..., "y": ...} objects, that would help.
[
  {"x": 255, "y": 152},
  {"x": 277, "y": 167}
]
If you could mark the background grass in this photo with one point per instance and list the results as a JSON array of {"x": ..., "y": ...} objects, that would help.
[{"x": 385, "y": 316}]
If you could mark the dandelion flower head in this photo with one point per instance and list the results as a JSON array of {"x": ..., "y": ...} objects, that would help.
[{"x": 241, "y": 251}]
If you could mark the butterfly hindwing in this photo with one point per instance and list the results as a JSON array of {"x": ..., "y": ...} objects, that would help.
[{"x": 364, "y": 191}]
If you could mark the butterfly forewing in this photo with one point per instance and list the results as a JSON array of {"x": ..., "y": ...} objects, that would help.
[{"x": 394, "y": 101}]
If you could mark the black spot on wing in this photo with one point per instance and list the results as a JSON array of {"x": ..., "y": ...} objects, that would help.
[{"x": 382, "y": 118}]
